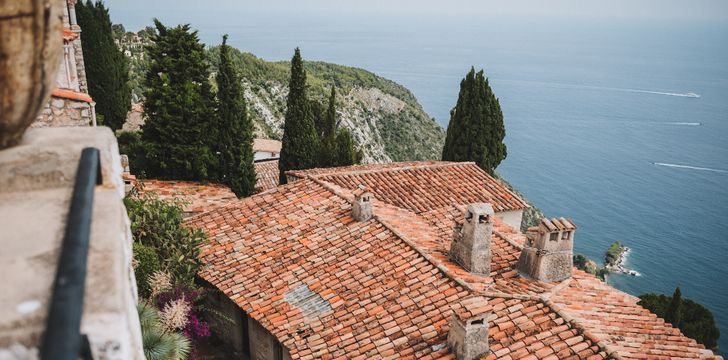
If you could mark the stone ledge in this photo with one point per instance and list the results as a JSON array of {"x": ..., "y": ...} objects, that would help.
[{"x": 36, "y": 181}]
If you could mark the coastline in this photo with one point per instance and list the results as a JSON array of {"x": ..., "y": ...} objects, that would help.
[{"x": 619, "y": 265}]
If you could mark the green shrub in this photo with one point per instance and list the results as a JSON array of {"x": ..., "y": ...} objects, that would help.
[
  {"x": 147, "y": 264},
  {"x": 157, "y": 223},
  {"x": 160, "y": 344}
]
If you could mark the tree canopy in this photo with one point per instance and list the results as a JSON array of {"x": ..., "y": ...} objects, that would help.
[
  {"x": 300, "y": 148},
  {"x": 476, "y": 130},
  {"x": 180, "y": 122},
  {"x": 107, "y": 69},
  {"x": 692, "y": 318},
  {"x": 235, "y": 142}
]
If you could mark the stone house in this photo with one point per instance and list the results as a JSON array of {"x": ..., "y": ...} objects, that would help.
[
  {"x": 70, "y": 103},
  {"x": 389, "y": 261},
  {"x": 266, "y": 149}
]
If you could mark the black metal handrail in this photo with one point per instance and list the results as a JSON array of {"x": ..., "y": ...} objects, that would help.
[{"x": 62, "y": 339}]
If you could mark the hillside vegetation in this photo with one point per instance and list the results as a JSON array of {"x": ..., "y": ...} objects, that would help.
[{"x": 384, "y": 117}]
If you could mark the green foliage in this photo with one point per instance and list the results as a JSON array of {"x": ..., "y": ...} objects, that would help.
[
  {"x": 476, "y": 129},
  {"x": 157, "y": 223},
  {"x": 179, "y": 123},
  {"x": 613, "y": 253},
  {"x": 582, "y": 262},
  {"x": 159, "y": 344},
  {"x": 300, "y": 147},
  {"x": 692, "y": 318},
  {"x": 131, "y": 144},
  {"x": 235, "y": 142},
  {"x": 147, "y": 262},
  {"x": 107, "y": 69},
  {"x": 346, "y": 152}
]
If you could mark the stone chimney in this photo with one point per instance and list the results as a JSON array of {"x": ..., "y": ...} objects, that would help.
[
  {"x": 468, "y": 336},
  {"x": 549, "y": 250},
  {"x": 362, "y": 207},
  {"x": 470, "y": 246}
]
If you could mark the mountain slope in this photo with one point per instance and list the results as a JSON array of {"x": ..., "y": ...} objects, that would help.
[{"x": 384, "y": 117}]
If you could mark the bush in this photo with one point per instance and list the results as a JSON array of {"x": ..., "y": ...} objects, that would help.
[
  {"x": 147, "y": 263},
  {"x": 157, "y": 224}
]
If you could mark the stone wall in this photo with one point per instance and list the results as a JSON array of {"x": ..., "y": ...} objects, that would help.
[
  {"x": 64, "y": 112},
  {"x": 36, "y": 183}
]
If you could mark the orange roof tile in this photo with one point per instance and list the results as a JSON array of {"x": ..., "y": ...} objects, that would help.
[
  {"x": 69, "y": 35},
  {"x": 266, "y": 173},
  {"x": 197, "y": 197},
  {"x": 422, "y": 186},
  {"x": 71, "y": 95},
  {"x": 326, "y": 285}
]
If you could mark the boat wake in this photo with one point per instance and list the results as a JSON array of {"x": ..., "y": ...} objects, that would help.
[
  {"x": 687, "y": 94},
  {"x": 641, "y": 91},
  {"x": 685, "y": 123},
  {"x": 690, "y": 167}
]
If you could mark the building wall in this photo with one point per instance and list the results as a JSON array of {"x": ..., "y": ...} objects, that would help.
[
  {"x": 265, "y": 155},
  {"x": 512, "y": 218},
  {"x": 263, "y": 345},
  {"x": 64, "y": 112}
]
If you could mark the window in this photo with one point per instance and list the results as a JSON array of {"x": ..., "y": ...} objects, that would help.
[
  {"x": 566, "y": 235},
  {"x": 554, "y": 236}
]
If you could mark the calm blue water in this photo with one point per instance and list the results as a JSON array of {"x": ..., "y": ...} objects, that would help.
[{"x": 590, "y": 107}]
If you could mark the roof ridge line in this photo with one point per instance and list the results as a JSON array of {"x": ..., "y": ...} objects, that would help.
[{"x": 508, "y": 240}]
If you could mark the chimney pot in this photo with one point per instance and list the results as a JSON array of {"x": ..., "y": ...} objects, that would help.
[
  {"x": 468, "y": 336},
  {"x": 548, "y": 253},
  {"x": 362, "y": 207},
  {"x": 470, "y": 246}
]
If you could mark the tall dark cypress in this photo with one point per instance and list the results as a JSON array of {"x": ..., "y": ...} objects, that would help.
[
  {"x": 673, "y": 314},
  {"x": 235, "y": 141},
  {"x": 107, "y": 69},
  {"x": 327, "y": 130},
  {"x": 476, "y": 129},
  {"x": 179, "y": 107},
  {"x": 300, "y": 142},
  {"x": 346, "y": 153}
]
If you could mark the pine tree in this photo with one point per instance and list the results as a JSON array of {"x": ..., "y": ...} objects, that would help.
[
  {"x": 673, "y": 314},
  {"x": 179, "y": 107},
  {"x": 476, "y": 129},
  {"x": 327, "y": 131},
  {"x": 300, "y": 147},
  {"x": 107, "y": 69},
  {"x": 235, "y": 142}
]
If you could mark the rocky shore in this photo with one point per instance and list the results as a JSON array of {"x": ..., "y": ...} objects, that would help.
[{"x": 618, "y": 265}]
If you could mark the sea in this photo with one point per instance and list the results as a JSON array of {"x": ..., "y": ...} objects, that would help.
[{"x": 619, "y": 124}]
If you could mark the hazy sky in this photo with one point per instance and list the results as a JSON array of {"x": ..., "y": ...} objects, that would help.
[{"x": 709, "y": 10}]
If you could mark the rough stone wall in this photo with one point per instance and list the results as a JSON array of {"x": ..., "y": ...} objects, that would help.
[
  {"x": 64, "y": 112},
  {"x": 36, "y": 183},
  {"x": 263, "y": 345},
  {"x": 229, "y": 327},
  {"x": 80, "y": 65}
]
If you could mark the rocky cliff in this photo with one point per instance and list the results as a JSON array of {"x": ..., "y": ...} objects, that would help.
[{"x": 384, "y": 117}]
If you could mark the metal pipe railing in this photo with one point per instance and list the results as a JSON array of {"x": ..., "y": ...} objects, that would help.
[{"x": 62, "y": 339}]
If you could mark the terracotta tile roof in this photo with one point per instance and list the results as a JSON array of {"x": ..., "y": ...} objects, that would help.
[
  {"x": 267, "y": 145},
  {"x": 422, "y": 186},
  {"x": 326, "y": 285},
  {"x": 71, "y": 95},
  {"x": 266, "y": 173},
  {"x": 197, "y": 197}
]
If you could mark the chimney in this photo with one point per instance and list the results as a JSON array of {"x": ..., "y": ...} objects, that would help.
[
  {"x": 548, "y": 253},
  {"x": 470, "y": 246},
  {"x": 362, "y": 207},
  {"x": 468, "y": 336}
]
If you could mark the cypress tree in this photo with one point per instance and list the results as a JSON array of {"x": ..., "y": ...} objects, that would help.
[
  {"x": 107, "y": 69},
  {"x": 179, "y": 108},
  {"x": 476, "y": 130},
  {"x": 235, "y": 142},
  {"x": 346, "y": 152},
  {"x": 327, "y": 131},
  {"x": 300, "y": 146},
  {"x": 673, "y": 314}
]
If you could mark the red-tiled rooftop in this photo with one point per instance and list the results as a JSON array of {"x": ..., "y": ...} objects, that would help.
[
  {"x": 267, "y": 145},
  {"x": 197, "y": 197},
  {"x": 422, "y": 186},
  {"x": 266, "y": 173},
  {"x": 386, "y": 287}
]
